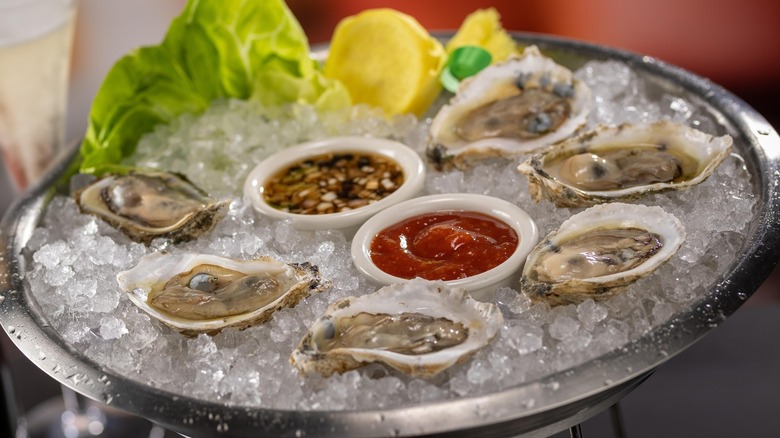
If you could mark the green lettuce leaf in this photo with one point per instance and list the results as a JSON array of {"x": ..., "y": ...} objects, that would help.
[{"x": 215, "y": 49}]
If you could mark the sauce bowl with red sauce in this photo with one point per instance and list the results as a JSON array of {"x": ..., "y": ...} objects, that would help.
[
  {"x": 472, "y": 241},
  {"x": 335, "y": 183}
]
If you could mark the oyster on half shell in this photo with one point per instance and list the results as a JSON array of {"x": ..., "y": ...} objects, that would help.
[
  {"x": 597, "y": 252},
  {"x": 419, "y": 327},
  {"x": 509, "y": 109},
  {"x": 624, "y": 162},
  {"x": 149, "y": 204},
  {"x": 198, "y": 293}
]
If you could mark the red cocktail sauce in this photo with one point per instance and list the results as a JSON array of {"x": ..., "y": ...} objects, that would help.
[{"x": 444, "y": 245}]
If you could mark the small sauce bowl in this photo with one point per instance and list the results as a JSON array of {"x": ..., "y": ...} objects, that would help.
[
  {"x": 482, "y": 285},
  {"x": 347, "y": 221}
]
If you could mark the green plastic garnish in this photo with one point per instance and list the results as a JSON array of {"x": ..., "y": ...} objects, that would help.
[{"x": 464, "y": 61}]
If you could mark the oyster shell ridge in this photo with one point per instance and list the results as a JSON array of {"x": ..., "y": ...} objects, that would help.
[
  {"x": 483, "y": 321},
  {"x": 618, "y": 215}
]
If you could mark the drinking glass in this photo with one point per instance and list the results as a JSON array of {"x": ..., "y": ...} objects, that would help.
[{"x": 36, "y": 37}]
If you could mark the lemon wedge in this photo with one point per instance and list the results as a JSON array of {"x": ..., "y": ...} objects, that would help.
[
  {"x": 482, "y": 28},
  {"x": 386, "y": 59}
]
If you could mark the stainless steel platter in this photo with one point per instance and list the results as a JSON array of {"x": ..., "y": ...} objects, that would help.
[{"x": 559, "y": 401}]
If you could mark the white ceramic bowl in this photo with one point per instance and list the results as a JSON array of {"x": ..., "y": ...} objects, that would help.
[
  {"x": 481, "y": 286},
  {"x": 347, "y": 221}
]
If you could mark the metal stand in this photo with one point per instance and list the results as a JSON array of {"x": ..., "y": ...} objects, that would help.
[
  {"x": 11, "y": 418},
  {"x": 618, "y": 426},
  {"x": 617, "y": 420}
]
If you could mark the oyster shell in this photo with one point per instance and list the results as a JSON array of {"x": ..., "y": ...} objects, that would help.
[
  {"x": 198, "y": 293},
  {"x": 419, "y": 327},
  {"x": 509, "y": 109},
  {"x": 623, "y": 163},
  {"x": 150, "y": 204},
  {"x": 597, "y": 252}
]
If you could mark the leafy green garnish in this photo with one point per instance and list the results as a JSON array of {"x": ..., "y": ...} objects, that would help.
[{"x": 246, "y": 49}]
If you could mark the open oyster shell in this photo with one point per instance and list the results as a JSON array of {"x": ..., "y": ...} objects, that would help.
[
  {"x": 597, "y": 252},
  {"x": 419, "y": 327},
  {"x": 148, "y": 204},
  {"x": 198, "y": 293},
  {"x": 623, "y": 163},
  {"x": 509, "y": 109}
]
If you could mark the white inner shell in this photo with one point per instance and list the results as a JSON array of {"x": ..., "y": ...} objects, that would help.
[
  {"x": 490, "y": 85},
  {"x": 617, "y": 215},
  {"x": 482, "y": 319},
  {"x": 182, "y": 211},
  {"x": 708, "y": 151},
  {"x": 155, "y": 269}
]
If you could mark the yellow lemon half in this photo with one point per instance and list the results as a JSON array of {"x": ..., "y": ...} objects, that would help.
[
  {"x": 386, "y": 59},
  {"x": 483, "y": 28}
]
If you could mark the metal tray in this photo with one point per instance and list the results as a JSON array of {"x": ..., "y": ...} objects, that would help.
[{"x": 560, "y": 400}]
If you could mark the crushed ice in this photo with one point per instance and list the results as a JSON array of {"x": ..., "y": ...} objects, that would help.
[{"x": 75, "y": 259}]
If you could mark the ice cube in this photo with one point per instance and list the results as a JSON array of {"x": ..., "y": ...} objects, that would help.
[
  {"x": 563, "y": 327},
  {"x": 112, "y": 328},
  {"x": 590, "y": 313}
]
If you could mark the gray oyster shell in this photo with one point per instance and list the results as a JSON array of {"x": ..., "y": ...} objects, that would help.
[
  {"x": 292, "y": 283},
  {"x": 560, "y": 270},
  {"x": 146, "y": 205},
  {"x": 697, "y": 154},
  {"x": 509, "y": 109},
  {"x": 434, "y": 300}
]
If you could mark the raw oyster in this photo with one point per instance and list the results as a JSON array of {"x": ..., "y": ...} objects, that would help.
[
  {"x": 509, "y": 109},
  {"x": 594, "y": 254},
  {"x": 418, "y": 327},
  {"x": 198, "y": 293},
  {"x": 623, "y": 163},
  {"x": 150, "y": 204}
]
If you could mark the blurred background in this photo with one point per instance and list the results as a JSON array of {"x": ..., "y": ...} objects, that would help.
[{"x": 724, "y": 385}]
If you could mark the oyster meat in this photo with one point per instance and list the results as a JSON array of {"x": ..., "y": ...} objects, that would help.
[
  {"x": 150, "y": 204},
  {"x": 198, "y": 293},
  {"x": 419, "y": 327},
  {"x": 623, "y": 163},
  {"x": 594, "y": 254},
  {"x": 509, "y": 109}
]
